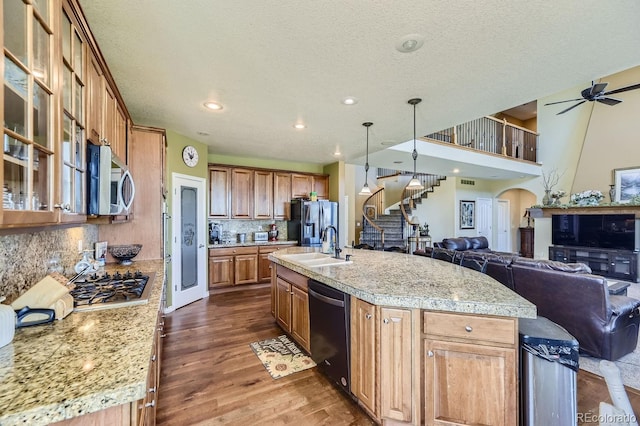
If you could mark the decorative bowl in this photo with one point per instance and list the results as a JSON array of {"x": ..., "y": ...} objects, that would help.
[{"x": 124, "y": 253}]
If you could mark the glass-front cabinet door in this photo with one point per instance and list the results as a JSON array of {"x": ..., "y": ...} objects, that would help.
[
  {"x": 28, "y": 102},
  {"x": 73, "y": 148}
]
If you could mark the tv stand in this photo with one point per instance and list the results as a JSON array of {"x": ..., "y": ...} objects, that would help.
[{"x": 610, "y": 263}]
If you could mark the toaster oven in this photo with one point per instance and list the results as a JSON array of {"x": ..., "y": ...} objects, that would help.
[{"x": 260, "y": 236}]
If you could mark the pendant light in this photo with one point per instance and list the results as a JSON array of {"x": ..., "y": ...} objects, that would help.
[
  {"x": 414, "y": 183},
  {"x": 365, "y": 189}
]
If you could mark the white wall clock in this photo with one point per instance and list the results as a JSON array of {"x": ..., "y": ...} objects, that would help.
[{"x": 190, "y": 156}]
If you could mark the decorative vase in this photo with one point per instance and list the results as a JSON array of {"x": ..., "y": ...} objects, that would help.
[
  {"x": 612, "y": 193},
  {"x": 546, "y": 200}
]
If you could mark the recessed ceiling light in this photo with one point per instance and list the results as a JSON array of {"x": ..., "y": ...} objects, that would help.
[
  {"x": 350, "y": 100},
  {"x": 213, "y": 105},
  {"x": 337, "y": 153},
  {"x": 456, "y": 170},
  {"x": 410, "y": 43},
  {"x": 203, "y": 133},
  {"x": 299, "y": 126}
]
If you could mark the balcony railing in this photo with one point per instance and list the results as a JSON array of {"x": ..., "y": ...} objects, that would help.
[{"x": 492, "y": 135}]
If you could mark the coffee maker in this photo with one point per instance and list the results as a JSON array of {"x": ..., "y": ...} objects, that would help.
[{"x": 215, "y": 233}]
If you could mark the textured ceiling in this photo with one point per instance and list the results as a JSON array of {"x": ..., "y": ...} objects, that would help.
[{"x": 274, "y": 63}]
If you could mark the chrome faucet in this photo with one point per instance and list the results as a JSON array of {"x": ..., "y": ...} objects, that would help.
[{"x": 337, "y": 249}]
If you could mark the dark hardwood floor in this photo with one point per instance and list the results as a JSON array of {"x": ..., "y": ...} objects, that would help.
[{"x": 210, "y": 375}]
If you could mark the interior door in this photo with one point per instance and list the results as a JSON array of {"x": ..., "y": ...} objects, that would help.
[
  {"x": 189, "y": 249},
  {"x": 503, "y": 226},
  {"x": 485, "y": 218}
]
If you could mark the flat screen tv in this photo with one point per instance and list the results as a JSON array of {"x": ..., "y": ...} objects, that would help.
[{"x": 612, "y": 231}]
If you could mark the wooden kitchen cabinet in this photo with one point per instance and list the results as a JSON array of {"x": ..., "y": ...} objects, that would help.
[
  {"x": 470, "y": 367},
  {"x": 292, "y": 305},
  {"x": 321, "y": 187},
  {"x": 264, "y": 264},
  {"x": 219, "y": 192},
  {"x": 95, "y": 103},
  {"x": 232, "y": 266},
  {"x": 242, "y": 194},
  {"x": 364, "y": 355},
  {"x": 396, "y": 372},
  {"x": 262, "y": 194},
  {"x": 281, "y": 195},
  {"x": 301, "y": 185},
  {"x": 147, "y": 406}
]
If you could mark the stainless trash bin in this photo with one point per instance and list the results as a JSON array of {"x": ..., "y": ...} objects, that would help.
[{"x": 548, "y": 368}]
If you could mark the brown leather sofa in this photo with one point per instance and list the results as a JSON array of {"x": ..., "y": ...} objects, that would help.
[{"x": 605, "y": 326}]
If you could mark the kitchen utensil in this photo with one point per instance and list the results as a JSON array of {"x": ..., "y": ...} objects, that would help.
[
  {"x": 27, "y": 316},
  {"x": 242, "y": 238}
]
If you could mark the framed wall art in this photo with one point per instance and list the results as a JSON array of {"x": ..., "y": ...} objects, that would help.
[
  {"x": 467, "y": 214},
  {"x": 371, "y": 211},
  {"x": 627, "y": 184}
]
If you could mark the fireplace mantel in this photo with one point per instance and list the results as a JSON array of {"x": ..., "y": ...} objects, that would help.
[{"x": 538, "y": 212}]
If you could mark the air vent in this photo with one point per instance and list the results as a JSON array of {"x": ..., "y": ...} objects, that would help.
[{"x": 467, "y": 182}]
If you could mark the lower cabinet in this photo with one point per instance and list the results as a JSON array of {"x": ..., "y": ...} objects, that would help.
[
  {"x": 292, "y": 305},
  {"x": 470, "y": 368},
  {"x": 264, "y": 264},
  {"x": 364, "y": 359},
  {"x": 233, "y": 265},
  {"x": 411, "y": 366},
  {"x": 611, "y": 263},
  {"x": 147, "y": 406}
]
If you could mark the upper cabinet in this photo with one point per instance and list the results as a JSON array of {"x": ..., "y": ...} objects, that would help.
[
  {"x": 243, "y": 193},
  {"x": 58, "y": 95},
  {"x": 28, "y": 110}
]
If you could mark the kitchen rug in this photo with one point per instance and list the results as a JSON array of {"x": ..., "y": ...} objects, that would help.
[{"x": 281, "y": 356}]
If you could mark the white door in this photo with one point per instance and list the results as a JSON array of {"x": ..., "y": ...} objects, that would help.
[
  {"x": 485, "y": 218},
  {"x": 504, "y": 225},
  {"x": 189, "y": 248}
]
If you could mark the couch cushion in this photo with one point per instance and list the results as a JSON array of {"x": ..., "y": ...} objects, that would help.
[
  {"x": 578, "y": 268},
  {"x": 459, "y": 243},
  {"x": 478, "y": 242}
]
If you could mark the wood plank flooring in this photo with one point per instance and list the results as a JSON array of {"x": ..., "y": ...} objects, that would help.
[{"x": 210, "y": 375}]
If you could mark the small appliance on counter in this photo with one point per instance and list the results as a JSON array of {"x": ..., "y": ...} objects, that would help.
[
  {"x": 260, "y": 236},
  {"x": 215, "y": 233},
  {"x": 273, "y": 233}
]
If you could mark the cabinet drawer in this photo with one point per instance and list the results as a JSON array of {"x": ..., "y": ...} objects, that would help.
[
  {"x": 489, "y": 329},
  {"x": 294, "y": 278},
  {"x": 275, "y": 247},
  {"x": 231, "y": 251}
]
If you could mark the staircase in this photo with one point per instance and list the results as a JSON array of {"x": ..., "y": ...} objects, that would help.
[{"x": 390, "y": 231}]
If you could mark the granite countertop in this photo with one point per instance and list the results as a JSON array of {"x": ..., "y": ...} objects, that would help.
[
  {"x": 83, "y": 363},
  {"x": 409, "y": 281},
  {"x": 251, "y": 244}
]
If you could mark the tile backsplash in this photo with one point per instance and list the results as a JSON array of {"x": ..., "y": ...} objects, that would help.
[
  {"x": 248, "y": 227},
  {"x": 24, "y": 256}
]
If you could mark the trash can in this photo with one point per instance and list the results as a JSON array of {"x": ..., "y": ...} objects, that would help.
[{"x": 548, "y": 368}]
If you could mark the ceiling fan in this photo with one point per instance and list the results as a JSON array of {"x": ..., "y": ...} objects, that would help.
[{"x": 596, "y": 93}]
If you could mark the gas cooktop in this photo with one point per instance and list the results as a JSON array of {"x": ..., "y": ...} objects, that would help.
[{"x": 93, "y": 291}]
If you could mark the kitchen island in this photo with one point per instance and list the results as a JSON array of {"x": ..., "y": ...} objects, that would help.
[
  {"x": 95, "y": 362},
  {"x": 430, "y": 341}
]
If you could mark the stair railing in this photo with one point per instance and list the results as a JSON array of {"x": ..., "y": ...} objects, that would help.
[
  {"x": 409, "y": 196},
  {"x": 371, "y": 207}
]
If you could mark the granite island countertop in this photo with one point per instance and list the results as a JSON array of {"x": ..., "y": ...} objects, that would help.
[
  {"x": 408, "y": 281},
  {"x": 83, "y": 363}
]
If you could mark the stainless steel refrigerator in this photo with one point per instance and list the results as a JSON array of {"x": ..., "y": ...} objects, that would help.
[{"x": 309, "y": 219}]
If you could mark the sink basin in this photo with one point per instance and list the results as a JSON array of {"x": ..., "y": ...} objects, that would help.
[{"x": 314, "y": 259}]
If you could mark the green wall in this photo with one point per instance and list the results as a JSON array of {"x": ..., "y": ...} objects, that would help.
[{"x": 265, "y": 163}]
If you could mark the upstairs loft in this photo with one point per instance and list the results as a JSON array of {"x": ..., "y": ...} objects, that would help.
[{"x": 485, "y": 148}]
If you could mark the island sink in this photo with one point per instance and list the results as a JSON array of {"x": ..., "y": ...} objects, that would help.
[{"x": 315, "y": 259}]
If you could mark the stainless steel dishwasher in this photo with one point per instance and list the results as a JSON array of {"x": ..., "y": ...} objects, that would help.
[{"x": 329, "y": 324}]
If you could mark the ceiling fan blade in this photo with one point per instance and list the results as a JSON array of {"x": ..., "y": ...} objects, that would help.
[
  {"x": 571, "y": 107},
  {"x": 561, "y": 102},
  {"x": 623, "y": 89},
  {"x": 609, "y": 101},
  {"x": 598, "y": 88}
]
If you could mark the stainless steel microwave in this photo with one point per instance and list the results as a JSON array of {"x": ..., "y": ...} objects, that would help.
[{"x": 110, "y": 187}]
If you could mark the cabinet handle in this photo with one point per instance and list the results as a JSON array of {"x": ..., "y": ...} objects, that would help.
[
  {"x": 430, "y": 354},
  {"x": 386, "y": 321},
  {"x": 150, "y": 404},
  {"x": 292, "y": 293},
  {"x": 468, "y": 328},
  {"x": 62, "y": 206},
  {"x": 368, "y": 316},
  {"x": 153, "y": 358},
  {"x": 152, "y": 390},
  {"x": 163, "y": 335}
]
